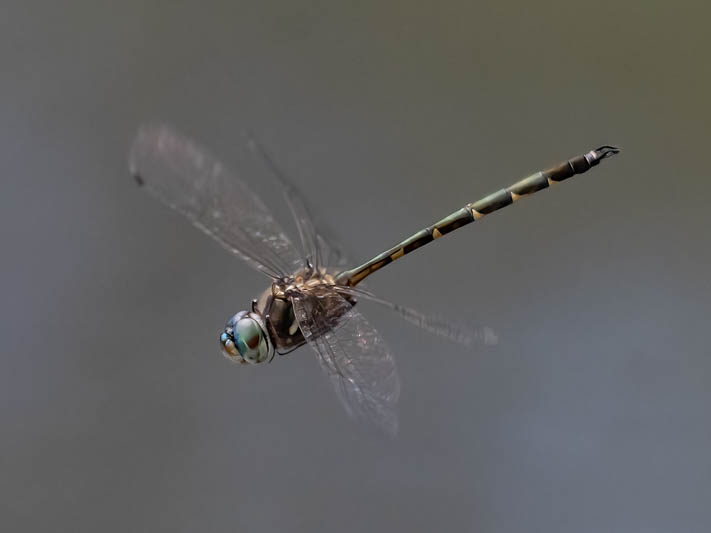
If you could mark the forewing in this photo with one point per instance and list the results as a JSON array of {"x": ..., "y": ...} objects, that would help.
[
  {"x": 187, "y": 178},
  {"x": 352, "y": 353}
]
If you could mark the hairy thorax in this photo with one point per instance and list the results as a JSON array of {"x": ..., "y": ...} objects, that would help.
[{"x": 274, "y": 304}]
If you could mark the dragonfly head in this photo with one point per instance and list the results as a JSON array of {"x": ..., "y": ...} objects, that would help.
[{"x": 245, "y": 339}]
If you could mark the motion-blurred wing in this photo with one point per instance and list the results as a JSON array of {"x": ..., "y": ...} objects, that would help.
[
  {"x": 353, "y": 355},
  {"x": 190, "y": 180},
  {"x": 437, "y": 325},
  {"x": 318, "y": 247}
]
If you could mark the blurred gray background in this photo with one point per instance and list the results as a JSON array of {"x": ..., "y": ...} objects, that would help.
[{"x": 117, "y": 411}]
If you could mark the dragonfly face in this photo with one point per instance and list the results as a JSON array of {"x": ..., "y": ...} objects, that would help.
[{"x": 245, "y": 339}]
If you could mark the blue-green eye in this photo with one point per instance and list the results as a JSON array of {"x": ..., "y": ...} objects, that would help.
[
  {"x": 243, "y": 340},
  {"x": 250, "y": 341}
]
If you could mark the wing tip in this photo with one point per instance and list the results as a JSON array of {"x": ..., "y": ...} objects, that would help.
[
  {"x": 144, "y": 139},
  {"x": 138, "y": 179}
]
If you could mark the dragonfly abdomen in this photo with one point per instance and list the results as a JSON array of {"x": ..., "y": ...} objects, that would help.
[{"x": 476, "y": 210}]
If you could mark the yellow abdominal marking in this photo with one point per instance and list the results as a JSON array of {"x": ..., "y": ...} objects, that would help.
[
  {"x": 515, "y": 196},
  {"x": 398, "y": 254},
  {"x": 357, "y": 278},
  {"x": 551, "y": 182},
  {"x": 436, "y": 234},
  {"x": 476, "y": 214}
]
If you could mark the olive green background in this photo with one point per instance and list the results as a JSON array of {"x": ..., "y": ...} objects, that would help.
[{"x": 592, "y": 414}]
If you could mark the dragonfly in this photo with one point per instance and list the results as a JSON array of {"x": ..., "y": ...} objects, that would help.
[{"x": 312, "y": 295}]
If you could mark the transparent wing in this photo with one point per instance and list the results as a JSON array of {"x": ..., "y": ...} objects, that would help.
[
  {"x": 190, "y": 180},
  {"x": 318, "y": 247},
  {"x": 444, "y": 327},
  {"x": 352, "y": 353}
]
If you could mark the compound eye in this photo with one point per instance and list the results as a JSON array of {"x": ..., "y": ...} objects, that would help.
[{"x": 250, "y": 341}]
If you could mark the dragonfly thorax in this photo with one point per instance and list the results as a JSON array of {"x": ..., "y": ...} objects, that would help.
[{"x": 307, "y": 279}]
